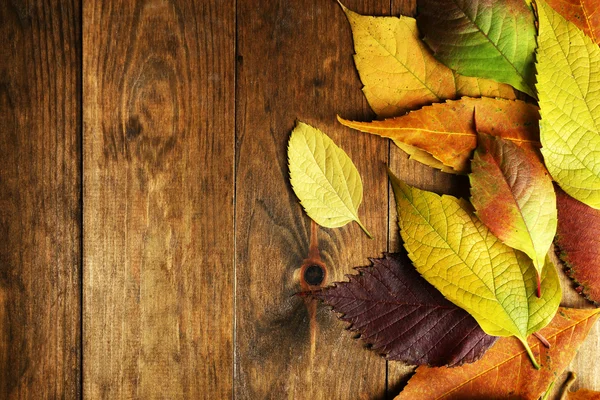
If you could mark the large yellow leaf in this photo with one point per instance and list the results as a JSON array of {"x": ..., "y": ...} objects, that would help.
[
  {"x": 568, "y": 65},
  {"x": 472, "y": 268},
  {"x": 504, "y": 373},
  {"x": 324, "y": 178},
  {"x": 398, "y": 71}
]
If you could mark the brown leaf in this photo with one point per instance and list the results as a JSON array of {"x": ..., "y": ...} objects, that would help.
[
  {"x": 447, "y": 132},
  {"x": 581, "y": 394},
  {"x": 505, "y": 371},
  {"x": 578, "y": 243},
  {"x": 585, "y": 14},
  {"x": 404, "y": 317}
]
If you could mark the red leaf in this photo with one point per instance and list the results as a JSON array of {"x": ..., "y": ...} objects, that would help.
[
  {"x": 404, "y": 317},
  {"x": 578, "y": 242}
]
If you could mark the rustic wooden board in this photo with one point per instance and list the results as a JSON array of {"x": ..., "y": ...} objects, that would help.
[
  {"x": 193, "y": 240},
  {"x": 39, "y": 199},
  {"x": 295, "y": 62},
  {"x": 158, "y": 218}
]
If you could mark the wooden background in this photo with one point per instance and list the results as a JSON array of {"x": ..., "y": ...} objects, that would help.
[{"x": 150, "y": 243}]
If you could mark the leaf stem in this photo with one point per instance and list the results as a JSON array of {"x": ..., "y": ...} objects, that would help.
[
  {"x": 549, "y": 390},
  {"x": 364, "y": 229},
  {"x": 530, "y": 353},
  {"x": 542, "y": 339}
]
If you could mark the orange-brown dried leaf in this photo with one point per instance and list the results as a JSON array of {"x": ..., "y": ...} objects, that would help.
[
  {"x": 578, "y": 243},
  {"x": 585, "y": 14},
  {"x": 447, "y": 132},
  {"x": 582, "y": 394},
  {"x": 505, "y": 371}
]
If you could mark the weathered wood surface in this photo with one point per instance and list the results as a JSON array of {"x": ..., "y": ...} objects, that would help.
[
  {"x": 159, "y": 82},
  {"x": 294, "y": 61},
  {"x": 193, "y": 241},
  {"x": 40, "y": 223}
]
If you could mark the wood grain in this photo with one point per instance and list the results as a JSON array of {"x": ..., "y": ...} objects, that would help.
[
  {"x": 295, "y": 62},
  {"x": 39, "y": 199},
  {"x": 158, "y": 158}
]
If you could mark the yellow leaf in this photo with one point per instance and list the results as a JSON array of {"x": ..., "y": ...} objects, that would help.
[
  {"x": 472, "y": 268},
  {"x": 568, "y": 65},
  {"x": 398, "y": 71},
  {"x": 324, "y": 178}
]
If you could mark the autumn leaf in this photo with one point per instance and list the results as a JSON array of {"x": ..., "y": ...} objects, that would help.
[
  {"x": 568, "y": 64},
  {"x": 482, "y": 38},
  {"x": 504, "y": 372},
  {"x": 581, "y": 394},
  {"x": 398, "y": 71},
  {"x": 578, "y": 243},
  {"x": 324, "y": 178},
  {"x": 404, "y": 317},
  {"x": 458, "y": 255},
  {"x": 585, "y": 14},
  {"x": 514, "y": 197},
  {"x": 447, "y": 131}
]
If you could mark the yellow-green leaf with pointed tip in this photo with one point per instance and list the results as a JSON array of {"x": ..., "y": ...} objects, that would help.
[
  {"x": 472, "y": 268},
  {"x": 324, "y": 178},
  {"x": 568, "y": 66}
]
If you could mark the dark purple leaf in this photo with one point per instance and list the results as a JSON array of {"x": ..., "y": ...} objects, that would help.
[{"x": 404, "y": 317}]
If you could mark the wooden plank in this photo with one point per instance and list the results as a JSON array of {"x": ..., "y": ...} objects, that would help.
[
  {"x": 158, "y": 218},
  {"x": 39, "y": 199},
  {"x": 585, "y": 363},
  {"x": 295, "y": 62}
]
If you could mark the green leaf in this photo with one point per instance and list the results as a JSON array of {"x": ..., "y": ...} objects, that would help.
[
  {"x": 472, "y": 268},
  {"x": 484, "y": 38},
  {"x": 568, "y": 65},
  {"x": 324, "y": 178},
  {"x": 514, "y": 196},
  {"x": 399, "y": 72}
]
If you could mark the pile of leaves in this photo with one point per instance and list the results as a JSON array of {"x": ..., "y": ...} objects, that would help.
[{"x": 508, "y": 93}]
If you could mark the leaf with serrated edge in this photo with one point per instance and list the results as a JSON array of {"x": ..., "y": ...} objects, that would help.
[
  {"x": 404, "y": 317},
  {"x": 447, "y": 132},
  {"x": 484, "y": 38},
  {"x": 504, "y": 371},
  {"x": 398, "y": 71},
  {"x": 514, "y": 197},
  {"x": 324, "y": 178},
  {"x": 568, "y": 65},
  {"x": 585, "y": 14},
  {"x": 578, "y": 243},
  {"x": 472, "y": 268}
]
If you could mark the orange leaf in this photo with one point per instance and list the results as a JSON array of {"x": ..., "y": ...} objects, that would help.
[
  {"x": 585, "y": 14},
  {"x": 446, "y": 131},
  {"x": 505, "y": 371},
  {"x": 581, "y": 394}
]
